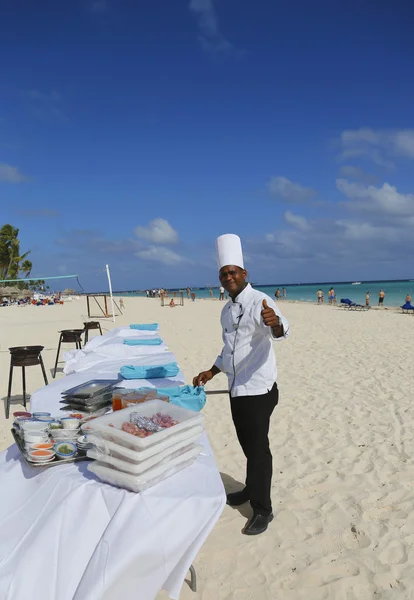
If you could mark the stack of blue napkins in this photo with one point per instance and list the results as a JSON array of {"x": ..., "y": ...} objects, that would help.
[
  {"x": 145, "y": 326},
  {"x": 143, "y": 342},
  {"x": 150, "y": 372}
]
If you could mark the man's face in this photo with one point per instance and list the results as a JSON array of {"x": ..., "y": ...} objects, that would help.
[{"x": 233, "y": 279}]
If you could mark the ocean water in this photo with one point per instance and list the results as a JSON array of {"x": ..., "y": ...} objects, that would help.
[{"x": 395, "y": 291}]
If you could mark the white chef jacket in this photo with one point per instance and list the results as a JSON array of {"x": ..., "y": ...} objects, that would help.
[{"x": 247, "y": 357}]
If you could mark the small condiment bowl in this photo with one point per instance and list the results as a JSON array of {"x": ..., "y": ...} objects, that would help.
[
  {"x": 36, "y": 437},
  {"x": 41, "y": 455},
  {"x": 17, "y": 423},
  {"x": 32, "y": 426},
  {"x": 41, "y": 414},
  {"x": 64, "y": 434},
  {"x": 70, "y": 423},
  {"x": 20, "y": 413},
  {"x": 42, "y": 446},
  {"x": 55, "y": 426},
  {"x": 46, "y": 420},
  {"x": 62, "y": 455}
]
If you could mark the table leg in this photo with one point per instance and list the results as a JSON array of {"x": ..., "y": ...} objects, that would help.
[
  {"x": 24, "y": 385},
  {"x": 193, "y": 579}
]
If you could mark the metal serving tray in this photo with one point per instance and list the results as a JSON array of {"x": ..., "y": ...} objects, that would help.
[
  {"x": 91, "y": 408},
  {"x": 94, "y": 400},
  {"x": 81, "y": 455},
  {"x": 90, "y": 389}
]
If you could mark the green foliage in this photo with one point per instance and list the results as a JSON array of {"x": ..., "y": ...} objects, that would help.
[{"x": 12, "y": 262}]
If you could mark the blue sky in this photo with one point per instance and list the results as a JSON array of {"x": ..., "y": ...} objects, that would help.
[{"x": 135, "y": 132}]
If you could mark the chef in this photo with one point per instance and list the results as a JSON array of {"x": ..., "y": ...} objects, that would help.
[{"x": 251, "y": 321}]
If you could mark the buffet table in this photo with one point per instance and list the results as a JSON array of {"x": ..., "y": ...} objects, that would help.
[{"x": 67, "y": 536}]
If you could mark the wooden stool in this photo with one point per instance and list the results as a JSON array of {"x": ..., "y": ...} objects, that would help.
[
  {"x": 68, "y": 336},
  {"x": 91, "y": 325},
  {"x": 24, "y": 356}
]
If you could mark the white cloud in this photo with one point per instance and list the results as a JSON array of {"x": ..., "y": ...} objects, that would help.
[
  {"x": 357, "y": 173},
  {"x": 297, "y": 221},
  {"x": 381, "y": 146},
  {"x": 11, "y": 174},
  {"x": 158, "y": 231},
  {"x": 404, "y": 142},
  {"x": 289, "y": 191},
  {"x": 162, "y": 255},
  {"x": 270, "y": 237},
  {"x": 210, "y": 36},
  {"x": 381, "y": 201},
  {"x": 361, "y": 230}
]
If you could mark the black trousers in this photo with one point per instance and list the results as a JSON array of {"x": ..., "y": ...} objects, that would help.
[{"x": 251, "y": 418}]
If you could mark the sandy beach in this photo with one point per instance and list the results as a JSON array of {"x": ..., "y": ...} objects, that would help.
[{"x": 342, "y": 442}]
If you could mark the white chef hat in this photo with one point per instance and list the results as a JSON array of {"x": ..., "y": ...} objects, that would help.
[{"x": 229, "y": 251}]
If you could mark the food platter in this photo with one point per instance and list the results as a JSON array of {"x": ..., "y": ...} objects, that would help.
[{"x": 81, "y": 455}]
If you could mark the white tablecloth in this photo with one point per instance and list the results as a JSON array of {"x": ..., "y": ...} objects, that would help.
[
  {"x": 64, "y": 535},
  {"x": 110, "y": 348},
  {"x": 67, "y": 536}
]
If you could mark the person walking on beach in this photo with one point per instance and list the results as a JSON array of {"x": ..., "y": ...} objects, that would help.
[
  {"x": 367, "y": 297},
  {"x": 250, "y": 321},
  {"x": 188, "y": 293},
  {"x": 319, "y": 294},
  {"x": 381, "y": 297},
  {"x": 221, "y": 293},
  {"x": 121, "y": 304}
]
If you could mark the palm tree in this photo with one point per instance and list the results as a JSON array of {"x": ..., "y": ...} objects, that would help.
[
  {"x": 8, "y": 235},
  {"x": 26, "y": 268},
  {"x": 11, "y": 262}
]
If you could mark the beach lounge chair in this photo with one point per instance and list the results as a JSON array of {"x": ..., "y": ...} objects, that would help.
[
  {"x": 407, "y": 308},
  {"x": 347, "y": 303}
]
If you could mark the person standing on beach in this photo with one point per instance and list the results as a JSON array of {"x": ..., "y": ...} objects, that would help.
[
  {"x": 250, "y": 321},
  {"x": 331, "y": 296},
  {"x": 277, "y": 294},
  {"x": 221, "y": 293},
  {"x": 188, "y": 293},
  {"x": 367, "y": 297},
  {"x": 284, "y": 293},
  {"x": 408, "y": 298},
  {"x": 381, "y": 297},
  {"x": 319, "y": 293}
]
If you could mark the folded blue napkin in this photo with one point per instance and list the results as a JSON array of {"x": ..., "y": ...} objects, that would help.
[
  {"x": 150, "y": 372},
  {"x": 140, "y": 342},
  {"x": 186, "y": 396},
  {"x": 145, "y": 326}
]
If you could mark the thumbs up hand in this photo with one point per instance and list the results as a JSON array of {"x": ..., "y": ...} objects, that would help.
[{"x": 269, "y": 316}]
